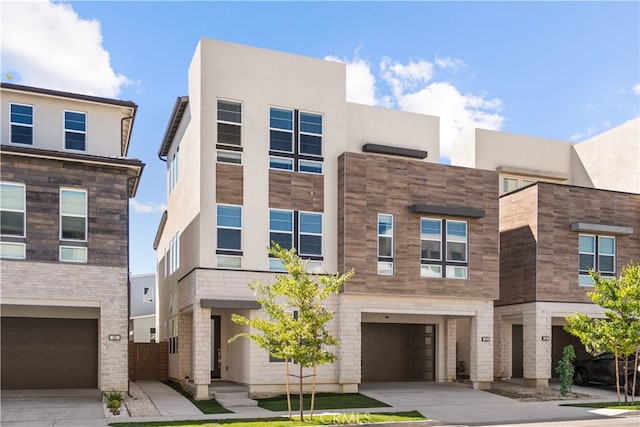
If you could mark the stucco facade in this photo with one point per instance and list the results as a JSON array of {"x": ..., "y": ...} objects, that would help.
[{"x": 224, "y": 153}]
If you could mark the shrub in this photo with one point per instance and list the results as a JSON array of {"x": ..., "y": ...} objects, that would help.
[{"x": 565, "y": 369}]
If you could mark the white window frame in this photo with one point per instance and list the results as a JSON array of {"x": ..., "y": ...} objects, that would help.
[
  {"x": 82, "y": 249},
  {"x": 174, "y": 170},
  {"x": 386, "y": 260},
  {"x": 85, "y": 216},
  {"x": 231, "y": 154},
  {"x": 174, "y": 253},
  {"x": 319, "y": 163},
  {"x": 23, "y": 210},
  {"x": 65, "y": 130},
  {"x": 287, "y": 160},
  {"x": 15, "y": 244},
  {"x": 300, "y": 132},
  {"x": 12, "y": 123},
  {"x": 291, "y": 212},
  {"x": 293, "y": 117},
  {"x": 227, "y": 227},
  {"x": 595, "y": 255},
  {"x": 239, "y": 124},
  {"x": 301, "y": 233}
]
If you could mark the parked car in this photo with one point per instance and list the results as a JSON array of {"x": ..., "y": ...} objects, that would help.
[{"x": 602, "y": 369}]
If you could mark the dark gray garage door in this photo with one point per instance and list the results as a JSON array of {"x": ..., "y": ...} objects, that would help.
[
  {"x": 398, "y": 352},
  {"x": 49, "y": 353}
]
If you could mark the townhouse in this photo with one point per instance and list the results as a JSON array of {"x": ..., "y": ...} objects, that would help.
[
  {"x": 142, "y": 313},
  {"x": 264, "y": 147},
  {"x": 64, "y": 191},
  {"x": 565, "y": 208}
]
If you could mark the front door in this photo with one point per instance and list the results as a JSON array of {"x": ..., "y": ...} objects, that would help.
[{"x": 215, "y": 347}]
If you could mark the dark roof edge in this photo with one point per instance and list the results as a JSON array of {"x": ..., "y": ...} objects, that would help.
[
  {"x": 38, "y": 152},
  {"x": 91, "y": 98},
  {"x": 174, "y": 121}
]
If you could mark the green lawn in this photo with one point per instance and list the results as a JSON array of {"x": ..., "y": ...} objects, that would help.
[
  {"x": 323, "y": 401},
  {"x": 607, "y": 405},
  {"x": 318, "y": 419},
  {"x": 206, "y": 406}
]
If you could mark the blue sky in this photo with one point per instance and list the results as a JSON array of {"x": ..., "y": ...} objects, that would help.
[{"x": 561, "y": 70}]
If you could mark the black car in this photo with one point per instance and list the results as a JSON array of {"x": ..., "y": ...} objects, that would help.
[{"x": 602, "y": 369}]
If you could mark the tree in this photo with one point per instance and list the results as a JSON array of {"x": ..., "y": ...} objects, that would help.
[
  {"x": 296, "y": 328},
  {"x": 619, "y": 331}
]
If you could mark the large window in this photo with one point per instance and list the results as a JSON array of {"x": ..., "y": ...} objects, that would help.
[
  {"x": 73, "y": 214},
  {"x": 12, "y": 220},
  {"x": 229, "y": 231},
  {"x": 229, "y": 121},
  {"x": 22, "y": 124},
  {"x": 172, "y": 258},
  {"x": 75, "y": 131},
  {"x": 443, "y": 248},
  {"x": 302, "y": 230},
  {"x": 385, "y": 244},
  {"x": 597, "y": 253},
  {"x": 295, "y": 140}
]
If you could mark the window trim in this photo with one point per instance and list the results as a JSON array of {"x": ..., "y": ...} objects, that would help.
[
  {"x": 385, "y": 259},
  {"x": 227, "y": 251},
  {"x": 23, "y": 211},
  {"x": 444, "y": 262},
  {"x": 86, "y": 216},
  {"x": 65, "y": 130},
  {"x": 596, "y": 257},
  {"x": 301, "y": 233},
  {"x": 12, "y": 123}
]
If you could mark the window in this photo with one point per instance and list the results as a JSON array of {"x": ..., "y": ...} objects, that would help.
[
  {"x": 229, "y": 122},
  {"x": 147, "y": 294},
  {"x": 281, "y": 228},
  {"x": 173, "y": 254},
  {"x": 281, "y": 130},
  {"x": 174, "y": 166},
  {"x": 22, "y": 124},
  {"x": 73, "y": 254},
  {"x": 310, "y": 134},
  {"x": 596, "y": 253},
  {"x": 73, "y": 214},
  {"x": 302, "y": 230},
  {"x": 310, "y": 237},
  {"x": 12, "y": 209},
  {"x": 295, "y": 140},
  {"x": 229, "y": 220},
  {"x": 173, "y": 335},
  {"x": 512, "y": 183},
  {"x": 12, "y": 250},
  {"x": 152, "y": 335},
  {"x": 385, "y": 244},
  {"x": 281, "y": 163},
  {"x": 448, "y": 237},
  {"x": 233, "y": 157},
  {"x": 75, "y": 130}
]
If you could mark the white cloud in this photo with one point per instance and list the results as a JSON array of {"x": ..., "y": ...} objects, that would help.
[
  {"x": 48, "y": 45},
  {"x": 636, "y": 89},
  {"x": 405, "y": 77},
  {"x": 361, "y": 84},
  {"x": 448, "y": 62},
  {"x": 146, "y": 208}
]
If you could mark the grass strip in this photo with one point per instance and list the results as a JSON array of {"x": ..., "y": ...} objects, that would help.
[
  {"x": 210, "y": 406},
  {"x": 323, "y": 401},
  {"x": 607, "y": 405},
  {"x": 318, "y": 419}
]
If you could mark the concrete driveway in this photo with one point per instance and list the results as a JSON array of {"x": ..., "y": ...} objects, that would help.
[
  {"x": 48, "y": 408},
  {"x": 457, "y": 403}
]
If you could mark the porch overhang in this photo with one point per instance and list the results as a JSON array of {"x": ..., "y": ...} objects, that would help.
[{"x": 230, "y": 303}]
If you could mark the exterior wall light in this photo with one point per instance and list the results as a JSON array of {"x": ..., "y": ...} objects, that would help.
[
  {"x": 546, "y": 338},
  {"x": 486, "y": 339}
]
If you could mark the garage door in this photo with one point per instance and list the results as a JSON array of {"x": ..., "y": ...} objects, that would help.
[
  {"x": 49, "y": 353},
  {"x": 397, "y": 352}
]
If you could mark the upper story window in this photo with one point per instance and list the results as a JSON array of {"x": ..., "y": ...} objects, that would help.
[
  {"x": 172, "y": 256},
  {"x": 385, "y": 244},
  {"x": 302, "y": 230},
  {"x": 147, "y": 294},
  {"x": 75, "y": 130},
  {"x": 174, "y": 170},
  {"x": 22, "y": 124},
  {"x": 229, "y": 122},
  {"x": 73, "y": 214},
  {"x": 12, "y": 220},
  {"x": 295, "y": 140},
  {"x": 229, "y": 227},
  {"x": 233, "y": 157},
  {"x": 512, "y": 183},
  {"x": 596, "y": 253},
  {"x": 443, "y": 248}
]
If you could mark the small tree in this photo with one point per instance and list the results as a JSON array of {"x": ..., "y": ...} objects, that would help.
[
  {"x": 565, "y": 369},
  {"x": 619, "y": 332},
  {"x": 297, "y": 326}
]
